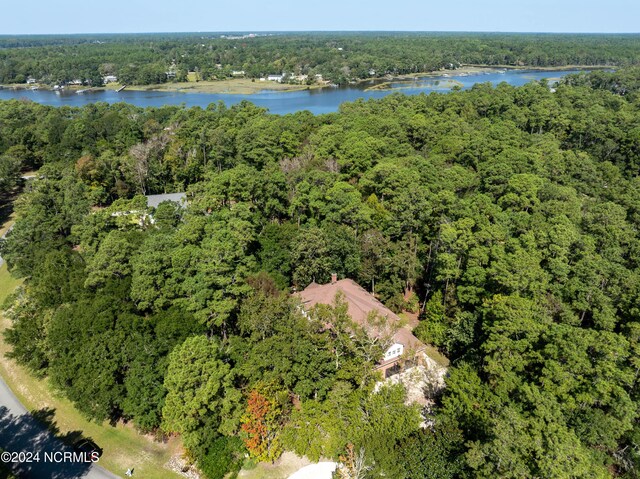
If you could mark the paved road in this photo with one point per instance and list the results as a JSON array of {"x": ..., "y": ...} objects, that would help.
[{"x": 21, "y": 431}]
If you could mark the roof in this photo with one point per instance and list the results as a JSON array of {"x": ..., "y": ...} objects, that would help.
[
  {"x": 154, "y": 200},
  {"x": 360, "y": 304}
]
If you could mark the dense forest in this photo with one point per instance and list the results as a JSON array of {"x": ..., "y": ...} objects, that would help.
[
  {"x": 507, "y": 217},
  {"x": 338, "y": 57}
]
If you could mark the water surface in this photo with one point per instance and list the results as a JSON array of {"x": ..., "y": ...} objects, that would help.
[{"x": 317, "y": 101}]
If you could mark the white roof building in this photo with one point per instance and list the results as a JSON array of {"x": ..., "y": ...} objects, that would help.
[{"x": 154, "y": 200}]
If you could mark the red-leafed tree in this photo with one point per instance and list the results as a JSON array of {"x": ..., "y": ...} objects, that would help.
[{"x": 261, "y": 426}]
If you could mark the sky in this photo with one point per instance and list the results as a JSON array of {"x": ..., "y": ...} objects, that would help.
[{"x": 126, "y": 16}]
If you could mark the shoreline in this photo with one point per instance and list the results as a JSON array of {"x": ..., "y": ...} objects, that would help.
[
  {"x": 244, "y": 86},
  {"x": 450, "y": 81},
  {"x": 237, "y": 86},
  {"x": 40, "y": 86},
  {"x": 446, "y": 84},
  {"x": 538, "y": 68}
]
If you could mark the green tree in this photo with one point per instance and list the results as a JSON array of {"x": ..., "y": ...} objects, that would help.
[
  {"x": 10, "y": 164},
  {"x": 200, "y": 391},
  {"x": 310, "y": 258}
]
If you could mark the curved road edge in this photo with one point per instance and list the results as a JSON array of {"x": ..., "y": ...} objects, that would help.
[{"x": 39, "y": 434}]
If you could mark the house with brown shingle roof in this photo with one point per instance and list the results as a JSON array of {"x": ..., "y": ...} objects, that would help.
[{"x": 361, "y": 305}]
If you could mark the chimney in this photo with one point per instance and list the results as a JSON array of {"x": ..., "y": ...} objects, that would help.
[{"x": 334, "y": 278}]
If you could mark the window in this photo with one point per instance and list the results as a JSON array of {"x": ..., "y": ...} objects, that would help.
[{"x": 394, "y": 351}]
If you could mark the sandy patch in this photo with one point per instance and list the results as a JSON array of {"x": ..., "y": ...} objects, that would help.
[{"x": 286, "y": 465}]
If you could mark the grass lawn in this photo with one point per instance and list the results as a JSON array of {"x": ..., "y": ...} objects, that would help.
[
  {"x": 193, "y": 76},
  {"x": 239, "y": 86},
  {"x": 123, "y": 446},
  {"x": 7, "y": 283}
]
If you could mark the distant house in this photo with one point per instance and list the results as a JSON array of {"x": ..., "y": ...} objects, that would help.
[
  {"x": 75, "y": 82},
  {"x": 360, "y": 305},
  {"x": 237, "y": 73},
  {"x": 109, "y": 79},
  {"x": 137, "y": 210},
  {"x": 31, "y": 81},
  {"x": 277, "y": 78},
  {"x": 154, "y": 200}
]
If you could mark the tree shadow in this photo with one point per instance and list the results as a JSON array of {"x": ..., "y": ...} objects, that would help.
[
  {"x": 6, "y": 209},
  {"x": 6, "y": 201},
  {"x": 37, "y": 432}
]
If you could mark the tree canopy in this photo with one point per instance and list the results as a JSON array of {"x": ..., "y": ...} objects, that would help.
[{"x": 505, "y": 217}]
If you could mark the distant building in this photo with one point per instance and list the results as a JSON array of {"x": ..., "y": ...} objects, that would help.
[
  {"x": 154, "y": 200},
  {"x": 140, "y": 214},
  {"x": 361, "y": 303},
  {"x": 109, "y": 79},
  {"x": 241, "y": 37},
  {"x": 237, "y": 73},
  {"x": 277, "y": 78},
  {"x": 31, "y": 81}
]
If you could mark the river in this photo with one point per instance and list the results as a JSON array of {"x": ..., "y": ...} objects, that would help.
[{"x": 317, "y": 101}]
